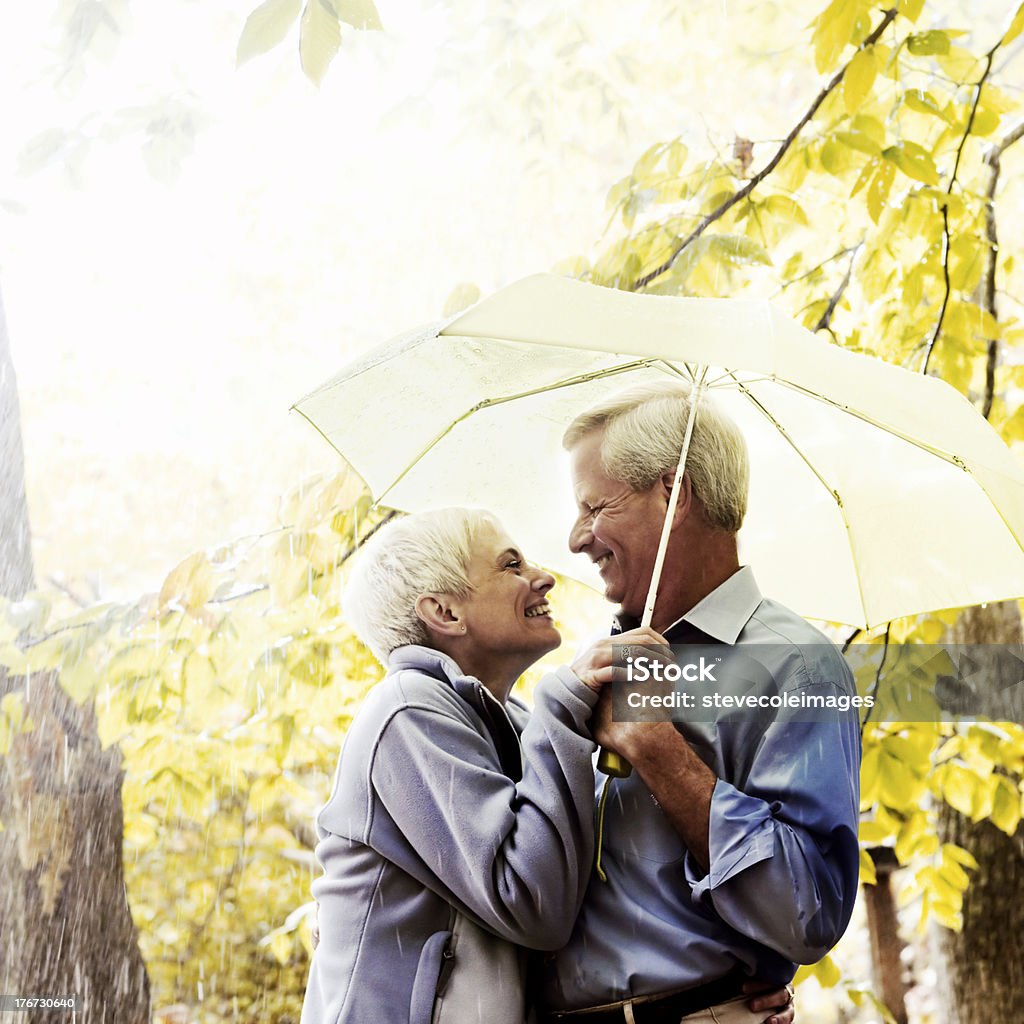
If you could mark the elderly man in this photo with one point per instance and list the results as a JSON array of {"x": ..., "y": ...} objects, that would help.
[{"x": 730, "y": 854}]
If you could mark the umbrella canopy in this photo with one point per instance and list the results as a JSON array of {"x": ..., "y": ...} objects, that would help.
[{"x": 875, "y": 492}]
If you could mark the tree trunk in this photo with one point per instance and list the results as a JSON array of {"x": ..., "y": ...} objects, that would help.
[
  {"x": 984, "y": 964},
  {"x": 65, "y": 925},
  {"x": 884, "y": 932}
]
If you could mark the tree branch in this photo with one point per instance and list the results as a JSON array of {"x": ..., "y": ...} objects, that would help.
[
  {"x": 825, "y": 323},
  {"x": 756, "y": 180},
  {"x": 979, "y": 86},
  {"x": 824, "y": 263},
  {"x": 878, "y": 678},
  {"x": 989, "y": 279}
]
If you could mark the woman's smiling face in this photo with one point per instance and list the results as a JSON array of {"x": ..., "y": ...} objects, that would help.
[{"x": 506, "y": 613}]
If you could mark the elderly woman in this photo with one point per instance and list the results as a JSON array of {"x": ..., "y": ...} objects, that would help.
[{"x": 460, "y": 828}]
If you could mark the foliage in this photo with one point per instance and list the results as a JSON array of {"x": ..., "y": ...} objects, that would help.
[{"x": 319, "y": 29}]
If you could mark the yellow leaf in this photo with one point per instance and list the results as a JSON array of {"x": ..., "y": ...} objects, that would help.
[
  {"x": 319, "y": 39},
  {"x": 1006, "y": 805},
  {"x": 867, "y": 869},
  {"x": 189, "y": 585},
  {"x": 960, "y": 855},
  {"x": 462, "y": 297},
  {"x": 826, "y": 971},
  {"x": 266, "y": 27},
  {"x": 874, "y": 833},
  {"x": 859, "y": 77},
  {"x": 878, "y": 190},
  {"x": 958, "y": 787},
  {"x": 361, "y": 14},
  {"x": 1015, "y": 27},
  {"x": 833, "y": 31},
  {"x": 925, "y": 103},
  {"x": 911, "y": 9},
  {"x": 914, "y": 161}
]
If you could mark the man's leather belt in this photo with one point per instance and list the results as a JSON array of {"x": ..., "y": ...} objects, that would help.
[{"x": 667, "y": 1009}]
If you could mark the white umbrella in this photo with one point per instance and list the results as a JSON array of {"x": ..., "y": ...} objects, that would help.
[{"x": 875, "y": 492}]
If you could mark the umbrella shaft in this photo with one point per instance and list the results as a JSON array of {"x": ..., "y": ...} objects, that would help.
[{"x": 666, "y": 529}]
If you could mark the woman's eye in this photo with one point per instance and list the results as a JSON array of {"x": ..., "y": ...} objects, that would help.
[{"x": 515, "y": 563}]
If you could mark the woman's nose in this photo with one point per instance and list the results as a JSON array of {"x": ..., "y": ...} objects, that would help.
[{"x": 542, "y": 581}]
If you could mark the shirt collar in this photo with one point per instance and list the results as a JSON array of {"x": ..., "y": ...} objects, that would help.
[{"x": 724, "y": 612}]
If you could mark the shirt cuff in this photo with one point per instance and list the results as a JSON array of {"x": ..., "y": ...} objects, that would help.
[{"x": 741, "y": 834}]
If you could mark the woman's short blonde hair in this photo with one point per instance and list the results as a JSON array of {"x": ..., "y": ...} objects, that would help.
[
  {"x": 644, "y": 429},
  {"x": 425, "y": 553}
]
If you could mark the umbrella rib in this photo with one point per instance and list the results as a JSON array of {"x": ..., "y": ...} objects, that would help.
[
  {"x": 727, "y": 375},
  {"x": 954, "y": 460},
  {"x": 836, "y": 496},
  {"x": 487, "y": 403}
]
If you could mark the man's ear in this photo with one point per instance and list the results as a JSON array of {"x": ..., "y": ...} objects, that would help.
[
  {"x": 437, "y": 613},
  {"x": 686, "y": 497}
]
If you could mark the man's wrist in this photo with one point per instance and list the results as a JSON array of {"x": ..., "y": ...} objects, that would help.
[{"x": 648, "y": 742}]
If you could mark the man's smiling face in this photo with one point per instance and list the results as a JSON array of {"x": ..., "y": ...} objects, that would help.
[{"x": 616, "y": 527}]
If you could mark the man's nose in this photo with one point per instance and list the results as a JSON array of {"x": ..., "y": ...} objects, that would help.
[{"x": 580, "y": 536}]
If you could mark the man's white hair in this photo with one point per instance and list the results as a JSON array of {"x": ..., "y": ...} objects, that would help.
[
  {"x": 425, "y": 553},
  {"x": 644, "y": 429}
]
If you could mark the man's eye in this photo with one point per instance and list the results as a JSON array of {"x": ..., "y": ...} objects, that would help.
[
  {"x": 514, "y": 563},
  {"x": 594, "y": 510}
]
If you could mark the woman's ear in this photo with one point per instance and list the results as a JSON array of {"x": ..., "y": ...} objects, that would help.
[{"x": 437, "y": 613}]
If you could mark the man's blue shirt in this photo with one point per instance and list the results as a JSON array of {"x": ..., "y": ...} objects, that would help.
[{"x": 784, "y": 856}]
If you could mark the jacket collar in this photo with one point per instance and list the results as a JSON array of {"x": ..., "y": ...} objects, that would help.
[
  {"x": 495, "y": 717},
  {"x": 724, "y": 612},
  {"x": 426, "y": 659}
]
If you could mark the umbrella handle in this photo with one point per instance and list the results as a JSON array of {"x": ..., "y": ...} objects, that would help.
[{"x": 613, "y": 764}]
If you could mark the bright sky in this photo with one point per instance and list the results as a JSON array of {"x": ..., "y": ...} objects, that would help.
[{"x": 161, "y": 325}]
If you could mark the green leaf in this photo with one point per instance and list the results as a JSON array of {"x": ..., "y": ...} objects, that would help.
[
  {"x": 359, "y": 14},
  {"x": 926, "y": 44},
  {"x": 914, "y": 161},
  {"x": 859, "y": 77},
  {"x": 266, "y": 27},
  {"x": 739, "y": 249},
  {"x": 319, "y": 39}
]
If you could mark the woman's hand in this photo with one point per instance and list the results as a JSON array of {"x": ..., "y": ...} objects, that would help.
[{"x": 596, "y": 665}]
